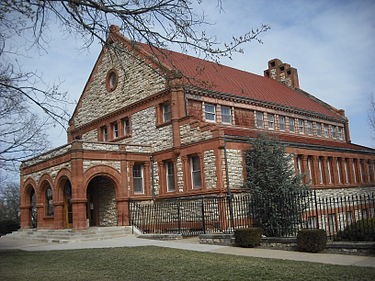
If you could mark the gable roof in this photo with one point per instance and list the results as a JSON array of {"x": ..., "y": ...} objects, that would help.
[{"x": 219, "y": 78}]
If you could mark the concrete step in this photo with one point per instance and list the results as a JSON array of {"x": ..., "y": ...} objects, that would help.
[{"x": 70, "y": 235}]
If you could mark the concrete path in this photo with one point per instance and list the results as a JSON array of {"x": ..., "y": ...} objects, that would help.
[{"x": 192, "y": 245}]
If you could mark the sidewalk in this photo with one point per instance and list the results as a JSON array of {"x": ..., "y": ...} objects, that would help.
[{"x": 192, "y": 245}]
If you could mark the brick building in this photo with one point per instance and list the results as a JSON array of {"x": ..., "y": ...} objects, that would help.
[{"x": 156, "y": 124}]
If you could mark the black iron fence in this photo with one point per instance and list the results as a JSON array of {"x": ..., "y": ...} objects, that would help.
[{"x": 222, "y": 214}]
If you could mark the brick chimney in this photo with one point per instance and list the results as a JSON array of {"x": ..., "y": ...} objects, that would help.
[{"x": 282, "y": 72}]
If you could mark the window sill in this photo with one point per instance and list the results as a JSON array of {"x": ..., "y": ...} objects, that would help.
[{"x": 160, "y": 125}]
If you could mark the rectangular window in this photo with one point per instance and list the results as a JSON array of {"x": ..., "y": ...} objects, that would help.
[
  {"x": 271, "y": 121},
  {"x": 226, "y": 114},
  {"x": 292, "y": 125},
  {"x": 195, "y": 165},
  {"x": 340, "y": 134},
  {"x": 334, "y": 132},
  {"x": 319, "y": 129},
  {"x": 260, "y": 119},
  {"x": 167, "y": 113},
  {"x": 282, "y": 123},
  {"x": 309, "y": 127},
  {"x": 115, "y": 130},
  {"x": 301, "y": 126},
  {"x": 326, "y": 131},
  {"x": 169, "y": 170},
  {"x": 104, "y": 133},
  {"x": 126, "y": 126},
  {"x": 210, "y": 112},
  {"x": 138, "y": 182}
]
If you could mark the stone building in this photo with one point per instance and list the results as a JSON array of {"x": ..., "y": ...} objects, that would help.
[{"x": 154, "y": 123}]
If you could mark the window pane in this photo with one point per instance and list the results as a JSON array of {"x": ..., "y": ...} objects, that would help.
[
  {"x": 126, "y": 125},
  {"x": 196, "y": 172},
  {"x": 226, "y": 114},
  {"x": 282, "y": 123},
  {"x": 319, "y": 129},
  {"x": 138, "y": 178},
  {"x": 301, "y": 126},
  {"x": 115, "y": 130},
  {"x": 291, "y": 125},
  {"x": 309, "y": 128},
  {"x": 170, "y": 176},
  {"x": 210, "y": 112},
  {"x": 259, "y": 121},
  {"x": 49, "y": 202},
  {"x": 166, "y": 112},
  {"x": 271, "y": 121}
]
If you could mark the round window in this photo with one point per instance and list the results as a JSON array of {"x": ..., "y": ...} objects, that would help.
[{"x": 112, "y": 80}]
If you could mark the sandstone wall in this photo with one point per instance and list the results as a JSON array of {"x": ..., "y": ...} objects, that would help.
[{"x": 136, "y": 81}]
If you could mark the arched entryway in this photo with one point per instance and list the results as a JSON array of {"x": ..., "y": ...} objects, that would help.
[
  {"x": 101, "y": 202},
  {"x": 68, "y": 208},
  {"x": 33, "y": 209}
]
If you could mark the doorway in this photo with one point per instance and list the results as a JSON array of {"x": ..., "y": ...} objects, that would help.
[{"x": 101, "y": 202}]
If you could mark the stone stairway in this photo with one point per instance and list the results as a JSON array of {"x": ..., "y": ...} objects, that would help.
[{"x": 70, "y": 235}]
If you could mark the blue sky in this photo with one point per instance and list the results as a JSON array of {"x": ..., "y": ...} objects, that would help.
[{"x": 331, "y": 43}]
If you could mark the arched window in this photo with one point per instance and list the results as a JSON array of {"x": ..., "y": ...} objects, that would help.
[{"x": 49, "y": 202}]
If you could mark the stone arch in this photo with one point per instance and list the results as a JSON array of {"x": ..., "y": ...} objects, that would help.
[
  {"x": 105, "y": 171},
  {"x": 63, "y": 203},
  {"x": 102, "y": 190},
  {"x": 60, "y": 180},
  {"x": 45, "y": 183},
  {"x": 29, "y": 204}
]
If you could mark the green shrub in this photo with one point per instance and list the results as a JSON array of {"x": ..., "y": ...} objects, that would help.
[
  {"x": 8, "y": 226},
  {"x": 248, "y": 237},
  {"x": 311, "y": 240},
  {"x": 362, "y": 230}
]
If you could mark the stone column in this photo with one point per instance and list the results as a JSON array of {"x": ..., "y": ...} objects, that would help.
[
  {"x": 349, "y": 163},
  {"x": 40, "y": 215},
  {"x": 147, "y": 179},
  {"x": 325, "y": 170},
  {"x": 79, "y": 195},
  {"x": 25, "y": 216},
  {"x": 58, "y": 215},
  {"x": 186, "y": 172},
  {"x": 305, "y": 171},
  {"x": 315, "y": 170},
  {"x": 123, "y": 216},
  {"x": 334, "y": 171}
]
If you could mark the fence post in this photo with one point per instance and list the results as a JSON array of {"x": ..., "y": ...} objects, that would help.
[
  {"x": 179, "y": 216},
  {"x": 316, "y": 210},
  {"x": 203, "y": 219}
]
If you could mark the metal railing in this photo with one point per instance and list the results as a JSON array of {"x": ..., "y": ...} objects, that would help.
[{"x": 223, "y": 214}]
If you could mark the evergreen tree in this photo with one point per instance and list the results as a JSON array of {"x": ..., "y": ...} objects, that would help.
[{"x": 276, "y": 190}]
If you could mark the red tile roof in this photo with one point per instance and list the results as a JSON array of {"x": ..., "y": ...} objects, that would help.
[{"x": 219, "y": 78}]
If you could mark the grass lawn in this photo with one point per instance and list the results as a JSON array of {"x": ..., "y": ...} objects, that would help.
[{"x": 153, "y": 263}]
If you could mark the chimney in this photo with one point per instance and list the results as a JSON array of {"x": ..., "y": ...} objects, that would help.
[{"x": 283, "y": 73}]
